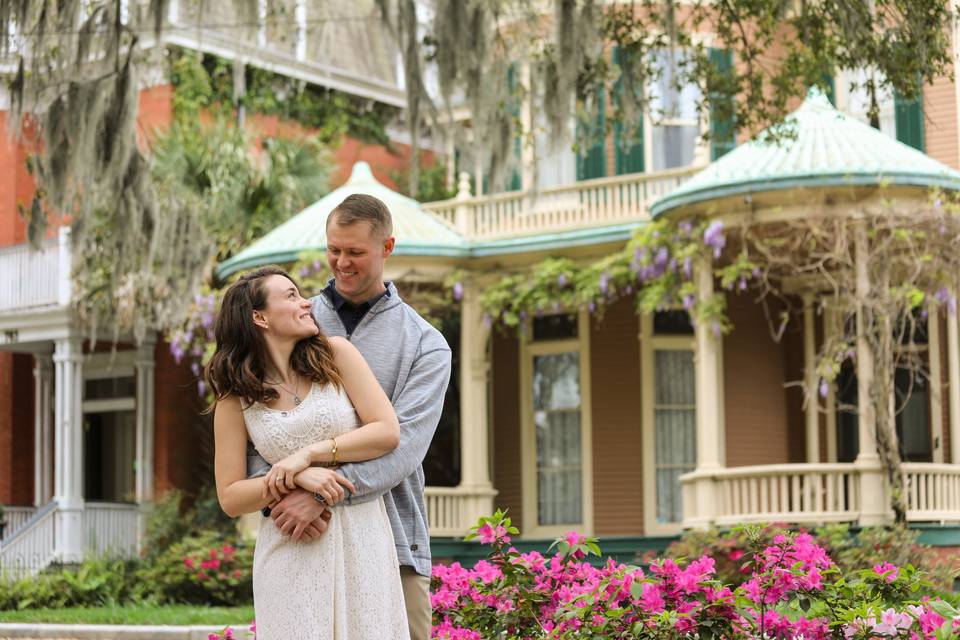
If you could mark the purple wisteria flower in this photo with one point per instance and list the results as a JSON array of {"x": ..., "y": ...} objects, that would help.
[
  {"x": 458, "y": 291},
  {"x": 592, "y": 307},
  {"x": 562, "y": 280},
  {"x": 824, "y": 388},
  {"x": 177, "y": 352},
  {"x": 604, "y": 282},
  {"x": 716, "y": 328},
  {"x": 688, "y": 301},
  {"x": 201, "y": 388},
  {"x": 487, "y": 321},
  {"x": 713, "y": 237},
  {"x": 688, "y": 267},
  {"x": 686, "y": 228},
  {"x": 195, "y": 368}
]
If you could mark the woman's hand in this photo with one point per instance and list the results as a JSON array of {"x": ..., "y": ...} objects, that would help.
[
  {"x": 280, "y": 479},
  {"x": 325, "y": 482}
]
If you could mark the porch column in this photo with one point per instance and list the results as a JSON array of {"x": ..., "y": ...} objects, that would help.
[
  {"x": 953, "y": 373},
  {"x": 42, "y": 425},
  {"x": 811, "y": 413},
  {"x": 873, "y": 499},
  {"x": 474, "y": 441},
  {"x": 144, "y": 365},
  {"x": 68, "y": 469},
  {"x": 710, "y": 418},
  {"x": 461, "y": 215}
]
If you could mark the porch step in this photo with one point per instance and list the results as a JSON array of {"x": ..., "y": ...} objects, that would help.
[{"x": 112, "y": 632}]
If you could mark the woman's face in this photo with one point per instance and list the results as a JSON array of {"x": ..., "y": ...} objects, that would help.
[{"x": 286, "y": 313}]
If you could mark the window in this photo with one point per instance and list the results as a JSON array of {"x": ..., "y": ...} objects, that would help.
[
  {"x": 676, "y": 124},
  {"x": 856, "y": 101},
  {"x": 669, "y": 419},
  {"x": 628, "y": 154},
  {"x": 675, "y": 427},
  {"x": 556, "y": 432}
]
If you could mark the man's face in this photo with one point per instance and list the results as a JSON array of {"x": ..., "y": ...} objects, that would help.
[{"x": 356, "y": 257}]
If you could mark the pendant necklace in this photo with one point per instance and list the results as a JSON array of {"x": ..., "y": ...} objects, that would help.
[{"x": 296, "y": 398}]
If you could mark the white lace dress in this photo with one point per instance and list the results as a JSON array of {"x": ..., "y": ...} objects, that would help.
[{"x": 344, "y": 585}]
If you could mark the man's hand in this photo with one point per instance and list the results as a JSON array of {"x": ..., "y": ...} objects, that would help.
[{"x": 300, "y": 516}]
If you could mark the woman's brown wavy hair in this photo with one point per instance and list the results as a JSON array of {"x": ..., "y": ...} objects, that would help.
[{"x": 238, "y": 365}]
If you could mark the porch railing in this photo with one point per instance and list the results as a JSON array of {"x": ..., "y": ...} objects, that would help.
[
  {"x": 933, "y": 492},
  {"x": 15, "y": 517},
  {"x": 795, "y": 493},
  {"x": 453, "y": 510},
  {"x": 588, "y": 203},
  {"x": 32, "y": 547},
  {"x": 35, "y": 278},
  {"x": 111, "y": 528}
]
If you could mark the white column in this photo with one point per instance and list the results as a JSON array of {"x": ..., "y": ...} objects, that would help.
[
  {"x": 461, "y": 215},
  {"x": 42, "y": 425},
  {"x": 936, "y": 382},
  {"x": 710, "y": 419},
  {"x": 874, "y": 506},
  {"x": 474, "y": 423},
  {"x": 68, "y": 479},
  {"x": 953, "y": 373},
  {"x": 812, "y": 413},
  {"x": 144, "y": 365}
]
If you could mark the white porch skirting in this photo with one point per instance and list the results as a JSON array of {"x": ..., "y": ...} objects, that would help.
[{"x": 811, "y": 494}]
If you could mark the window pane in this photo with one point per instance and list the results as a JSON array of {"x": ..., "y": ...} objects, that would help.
[
  {"x": 673, "y": 146},
  {"x": 556, "y": 406},
  {"x": 675, "y": 322},
  {"x": 674, "y": 428},
  {"x": 913, "y": 419},
  {"x": 666, "y": 101},
  {"x": 555, "y": 327},
  {"x": 106, "y": 388}
]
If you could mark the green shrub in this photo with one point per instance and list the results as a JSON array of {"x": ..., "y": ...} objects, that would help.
[
  {"x": 171, "y": 519},
  {"x": 199, "y": 569},
  {"x": 92, "y": 583}
]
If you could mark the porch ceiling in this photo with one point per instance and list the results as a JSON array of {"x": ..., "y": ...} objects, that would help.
[{"x": 828, "y": 149}]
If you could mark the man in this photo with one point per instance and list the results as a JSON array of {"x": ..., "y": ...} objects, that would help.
[{"x": 411, "y": 360}]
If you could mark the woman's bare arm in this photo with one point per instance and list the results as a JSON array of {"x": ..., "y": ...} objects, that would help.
[{"x": 237, "y": 494}]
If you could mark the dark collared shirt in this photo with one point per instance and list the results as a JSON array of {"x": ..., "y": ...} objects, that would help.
[{"x": 351, "y": 314}]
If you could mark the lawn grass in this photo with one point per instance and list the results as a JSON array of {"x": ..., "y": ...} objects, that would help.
[{"x": 238, "y": 617}]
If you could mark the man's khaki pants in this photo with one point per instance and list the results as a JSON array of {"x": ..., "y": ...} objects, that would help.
[{"x": 416, "y": 595}]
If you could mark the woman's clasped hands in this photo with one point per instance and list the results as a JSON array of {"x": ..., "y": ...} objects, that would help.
[{"x": 295, "y": 471}]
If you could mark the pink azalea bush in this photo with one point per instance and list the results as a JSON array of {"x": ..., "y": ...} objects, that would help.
[{"x": 793, "y": 589}]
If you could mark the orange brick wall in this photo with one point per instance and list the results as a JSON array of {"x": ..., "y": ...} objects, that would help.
[
  {"x": 940, "y": 121},
  {"x": 506, "y": 425},
  {"x": 757, "y": 427},
  {"x": 183, "y": 450},
  {"x": 617, "y": 420}
]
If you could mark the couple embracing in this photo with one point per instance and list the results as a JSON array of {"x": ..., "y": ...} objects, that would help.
[{"x": 340, "y": 396}]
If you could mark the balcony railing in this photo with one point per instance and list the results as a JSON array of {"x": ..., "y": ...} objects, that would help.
[
  {"x": 453, "y": 510},
  {"x": 815, "y": 493},
  {"x": 933, "y": 492},
  {"x": 35, "y": 278},
  {"x": 112, "y": 528},
  {"x": 588, "y": 203}
]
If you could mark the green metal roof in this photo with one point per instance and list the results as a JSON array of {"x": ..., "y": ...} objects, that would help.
[
  {"x": 418, "y": 232},
  {"x": 830, "y": 149}
]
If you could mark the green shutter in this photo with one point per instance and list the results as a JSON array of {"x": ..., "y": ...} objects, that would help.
[
  {"x": 628, "y": 156},
  {"x": 909, "y": 118},
  {"x": 830, "y": 88},
  {"x": 592, "y": 162},
  {"x": 514, "y": 181},
  {"x": 722, "y": 138}
]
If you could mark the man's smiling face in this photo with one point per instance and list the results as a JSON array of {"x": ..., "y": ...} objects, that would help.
[{"x": 356, "y": 257}]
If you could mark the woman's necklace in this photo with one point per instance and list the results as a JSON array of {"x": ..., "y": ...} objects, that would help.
[{"x": 296, "y": 397}]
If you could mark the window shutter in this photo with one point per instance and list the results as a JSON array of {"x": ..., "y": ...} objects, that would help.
[
  {"x": 628, "y": 156},
  {"x": 514, "y": 181},
  {"x": 592, "y": 162},
  {"x": 722, "y": 138},
  {"x": 831, "y": 88},
  {"x": 909, "y": 119}
]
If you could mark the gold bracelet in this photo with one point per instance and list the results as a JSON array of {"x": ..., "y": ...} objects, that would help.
[{"x": 333, "y": 451}]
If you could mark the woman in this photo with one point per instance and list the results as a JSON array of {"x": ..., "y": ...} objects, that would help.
[{"x": 301, "y": 399}]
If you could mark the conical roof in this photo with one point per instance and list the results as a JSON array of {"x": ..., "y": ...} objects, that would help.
[
  {"x": 830, "y": 148},
  {"x": 418, "y": 232}
]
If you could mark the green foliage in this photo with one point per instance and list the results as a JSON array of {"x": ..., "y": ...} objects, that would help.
[
  {"x": 206, "y": 82},
  {"x": 132, "y": 613},
  {"x": 101, "y": 581},
  {"x": 204, "y": 568},
  {"x": 171, "y": 519},
  {"x": 431, "y": 183}
]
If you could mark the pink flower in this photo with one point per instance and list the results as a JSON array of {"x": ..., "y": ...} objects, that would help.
[
  {"x": 888, "y": 571},
  {"x": 736, "y": 554},
  {"x": 489, "y": 535},
  {"x": 573, "y": 538},
  {"x": 188, "y": 562}
]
